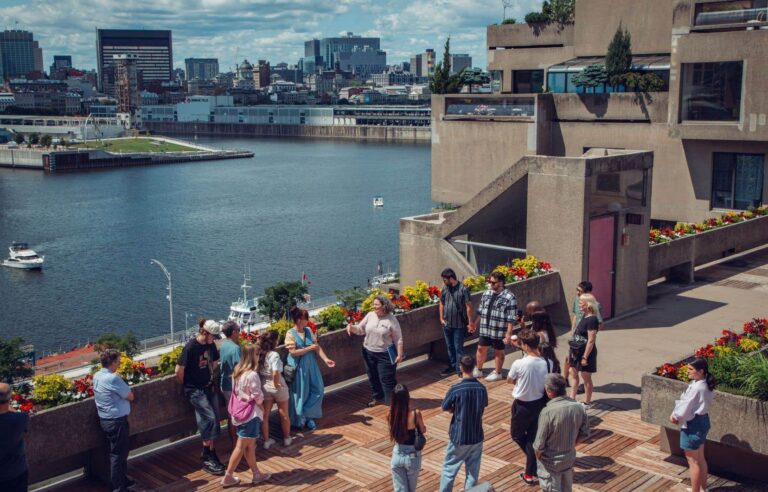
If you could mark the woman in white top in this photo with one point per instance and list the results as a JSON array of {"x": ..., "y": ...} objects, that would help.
[
  {"x": 692, "y": 413},
  {"x": 246, "y": 386},
  {"x": 274, "y": 387}
]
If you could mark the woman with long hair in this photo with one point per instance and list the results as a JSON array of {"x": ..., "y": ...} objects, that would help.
[
  {"x": 306, "y": 390},
  {"x": 403, "y": 423},
  {"x": 274, "y": 387},
  {"x": 542, "y": 326},
  {"x": 692, "y": 414},
  {"x": 583, "y": 351},
  {"x": 246, "y": 387},
  {"x": 382, "y": 336}
]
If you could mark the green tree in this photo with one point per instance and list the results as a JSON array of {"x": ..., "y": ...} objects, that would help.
[
  {"x": 45, "y": 141},
  {"x": 473, "y": 76},
  {"x": 591, "y": 77},
  {"x": 18, "y": 138},
  {"x": 34, "y": 139},
  {"x": 127, "y": 343},
  {"x": 618, "y": 60},
  {"x": 560, "y": 11},
  {"x": 280, "y": 298},
  {"x": 442, "y": 82},
  {"x": 351, "y": 298},
  {"x": 12, "y": 366}
]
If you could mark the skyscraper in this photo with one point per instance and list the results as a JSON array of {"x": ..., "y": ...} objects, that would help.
[
  {"x": 153, "y": 49},
  {"x": 201, "y": 68},
  {"x": 460, "y": 62},
  {"x": 126, "y": 82},
  {"x": 19, "y": 54},
  {"x": 423, "y": 64},
  {"x": 325, "y": 53}
]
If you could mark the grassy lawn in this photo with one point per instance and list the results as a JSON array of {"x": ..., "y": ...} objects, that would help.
[{"x": 135, "y": 145}]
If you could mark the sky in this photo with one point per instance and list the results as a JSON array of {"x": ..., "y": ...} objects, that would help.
[{"x": 274, "y": 30}]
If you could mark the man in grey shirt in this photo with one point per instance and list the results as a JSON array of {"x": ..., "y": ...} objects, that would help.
[
  {"x": 562, "y": 424},
  {"x": 455, "y": 314}
]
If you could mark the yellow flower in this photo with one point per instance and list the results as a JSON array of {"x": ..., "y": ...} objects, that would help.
[
  {"x": 748, "y": 345},
  {"x": 721, "y": 350}
]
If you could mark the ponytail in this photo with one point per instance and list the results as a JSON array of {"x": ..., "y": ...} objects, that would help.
[
  {"x": 711, "y": 381},
  {"x": 703, "y": 365}
]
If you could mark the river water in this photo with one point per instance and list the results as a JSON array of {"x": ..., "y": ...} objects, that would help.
[{"x": 297, "y": 206}]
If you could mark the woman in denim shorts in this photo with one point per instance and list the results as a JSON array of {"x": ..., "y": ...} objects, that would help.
[
  {"x": 692, "y": 413},
  {"x": 406, "y": 459},
  {"x": 274, "y": 387}
]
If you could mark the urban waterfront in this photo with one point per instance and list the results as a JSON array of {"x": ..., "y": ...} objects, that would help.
[{"x": 297, "y": 206}]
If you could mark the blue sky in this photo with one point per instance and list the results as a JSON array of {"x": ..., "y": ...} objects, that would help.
[{"x": 261, "y": 29}]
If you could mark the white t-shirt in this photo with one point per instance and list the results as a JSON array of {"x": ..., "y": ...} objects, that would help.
[
  {"x": 272, "y": 362},
  {"x": 529, "y": 372}
]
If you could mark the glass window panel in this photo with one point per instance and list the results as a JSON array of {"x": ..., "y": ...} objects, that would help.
[
  {"x": 556, "y": 82},
  {"x": 471, "y": 106},
  {"x": 711, "y": 91},
  {"x": 748, "y": 186}
]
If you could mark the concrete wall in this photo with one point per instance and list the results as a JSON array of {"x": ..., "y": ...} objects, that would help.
[
  {"x": 648, "y": 21},
  {"x": 378, "y": 133},
  {"x": 27, "y": 158}
]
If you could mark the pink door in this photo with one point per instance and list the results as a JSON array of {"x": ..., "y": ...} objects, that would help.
[{"x": 602, "y": 248}]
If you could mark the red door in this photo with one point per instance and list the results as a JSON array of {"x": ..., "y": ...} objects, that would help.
[{"x": 602, "y": 249}]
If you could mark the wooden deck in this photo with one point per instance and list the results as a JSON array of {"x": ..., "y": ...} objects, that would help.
[{"x": 351, "y": 450}]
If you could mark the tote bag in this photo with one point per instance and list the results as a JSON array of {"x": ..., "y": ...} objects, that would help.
[{"x": 237, "y": 408}]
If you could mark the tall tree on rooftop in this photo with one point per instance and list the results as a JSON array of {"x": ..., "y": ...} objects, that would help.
[
  {"x": 618, "y": 60},
  {"x": 442, "y": 82}
]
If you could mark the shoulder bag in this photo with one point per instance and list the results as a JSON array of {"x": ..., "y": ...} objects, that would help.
[
  {"x": 289, "y": 370},
  {"x": 240, "y": 410},
  {"x": 421, "y": 439}
]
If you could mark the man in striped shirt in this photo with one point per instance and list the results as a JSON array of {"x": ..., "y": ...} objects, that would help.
[
  {"x": 562, "y": 424},
  {"x": 466, "y": 400}
]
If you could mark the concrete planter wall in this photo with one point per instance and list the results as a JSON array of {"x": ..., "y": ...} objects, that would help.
[
  {"x": 738, "y": 440},
  {"x": 681, "y": 255},
  {"x": 69, "y": 437}
]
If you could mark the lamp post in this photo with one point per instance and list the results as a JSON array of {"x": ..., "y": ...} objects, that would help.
[{"x": 170, "y": 291}]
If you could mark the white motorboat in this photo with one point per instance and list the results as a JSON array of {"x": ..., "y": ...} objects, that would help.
[
  {"x": 23, "y": 258},
  {"x": 245, "y": 311},
  {"x": 378, "y": 201}
]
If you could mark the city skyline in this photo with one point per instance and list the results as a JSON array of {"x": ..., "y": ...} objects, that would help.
[{"x": 230, "y": 30}]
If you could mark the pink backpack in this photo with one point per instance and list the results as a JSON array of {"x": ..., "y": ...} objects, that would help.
[{"x": 238, "y": 409}]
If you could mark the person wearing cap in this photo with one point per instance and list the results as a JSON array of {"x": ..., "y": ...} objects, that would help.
[
  {"x": 195, "y": 369},
  {"x": 13, "y": 457}
]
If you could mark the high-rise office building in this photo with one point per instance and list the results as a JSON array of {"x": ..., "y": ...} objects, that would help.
[
  {"x": 154, "y": 51},
  {"x": 126, "y": 82},
  {"x": 423, "y": 64},
  {"x": 363, "y": 62},
  {"x": 460, "y": 62},
  {"x": 201, "y": 68},
  {"x": 325, "y": 53},
  {"x": 19, "y": 54},
  {"x": 60, "y": 67}
]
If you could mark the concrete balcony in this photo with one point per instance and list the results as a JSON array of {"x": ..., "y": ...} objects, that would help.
[
  {"x": 617, "y": 107},
  {"x": 509, "y": 36}
]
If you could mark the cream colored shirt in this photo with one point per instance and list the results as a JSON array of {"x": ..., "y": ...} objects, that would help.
[{"x": 379, "y": 333}]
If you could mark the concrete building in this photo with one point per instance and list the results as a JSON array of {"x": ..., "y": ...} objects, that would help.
[
  {"x": 261, "y": 74},
  {"x": 154, "y": 51},
  {"x": 363, "y": 62},
  {"x": 201, "y": 68},
  {"x": 6, "y": 99},
  {"x": 288, "y": 73},
  {"x": 60, "y": 67},
  {"x": 423, "y": 64},
  {"x": 705, "y": 132},
  {"x": 460, "y": 62},
  {"x": 244, "y": 77},
  {"x": 19, "y": 54},
  {"x": 127, "y": 83},
  {"x": 393, "y": 77},
  {"x": 327, "y": 53}
]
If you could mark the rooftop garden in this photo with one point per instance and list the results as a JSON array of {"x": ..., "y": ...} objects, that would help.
[
  {"x": 134, "y": 145},
  {"x": 682, "y": 229}
]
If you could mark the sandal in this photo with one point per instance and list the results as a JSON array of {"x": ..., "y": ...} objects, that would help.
[
  {"x": 229, "y": 481},
  {"x": 262, "y": 477}
]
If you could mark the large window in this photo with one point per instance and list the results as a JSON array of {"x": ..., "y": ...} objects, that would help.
[
  {"x": 528, "y": 81},
  {"x": 737, "y": 180},
  {"x": 711, "y": 91},
  {"x": 731, "y": 12},
  {"x": 497, "y": 81}
]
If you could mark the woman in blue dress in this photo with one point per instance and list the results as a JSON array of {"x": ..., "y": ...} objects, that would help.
[{"x": 306, "y": 390}]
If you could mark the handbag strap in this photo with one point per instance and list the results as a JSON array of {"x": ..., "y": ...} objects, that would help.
[{"x": 416, "y": 423}]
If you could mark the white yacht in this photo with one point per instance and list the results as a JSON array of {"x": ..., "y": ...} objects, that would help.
[
  {"x": 22, "y": 257},
  {"x": 245, "y": 311},
  {"x": 378, "y": 201}
]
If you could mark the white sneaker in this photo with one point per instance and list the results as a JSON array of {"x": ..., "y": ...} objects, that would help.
[
  {"x": 268, "y": 443},
  {"x": 493, "y": 376},
  {"x": 477, "y": 373},
  {"x": 287, "y": 441}
]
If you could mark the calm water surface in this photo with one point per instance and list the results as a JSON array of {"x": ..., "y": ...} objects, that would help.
[{"x": 297, "y": 206}]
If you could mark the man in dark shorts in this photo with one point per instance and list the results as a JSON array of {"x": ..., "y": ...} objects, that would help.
[
  {"x": 194, "y": 370},
  {"x": 496, "y": 319}
]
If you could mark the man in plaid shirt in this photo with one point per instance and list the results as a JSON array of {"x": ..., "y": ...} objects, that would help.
[{"x": 496, "y": 315}]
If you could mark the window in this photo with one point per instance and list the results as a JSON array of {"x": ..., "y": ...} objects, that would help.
[
  {"x": 528, "y": 81},
  {"x": 711, "y": 91},
  {"x": 497, "y": 80},
  {"x": 737, "y": 180}
]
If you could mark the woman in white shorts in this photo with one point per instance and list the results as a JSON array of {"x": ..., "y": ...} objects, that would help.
[{"x": 273, "y": 386}]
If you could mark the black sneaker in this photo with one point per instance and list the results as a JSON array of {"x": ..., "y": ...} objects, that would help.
[
  {"x": 215, "y": 458},
  {"x": 447, "y": 371},
  {"x": 211, "y": 464}
]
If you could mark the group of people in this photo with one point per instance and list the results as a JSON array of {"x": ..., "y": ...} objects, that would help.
[{"x": 546, "y": 421}]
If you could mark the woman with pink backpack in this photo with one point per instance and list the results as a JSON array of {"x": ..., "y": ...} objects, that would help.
[{"x": 246, "y": 412}]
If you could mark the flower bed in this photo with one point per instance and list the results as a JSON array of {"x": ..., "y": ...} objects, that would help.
[
  {"x": 681, "y": 230},
  {"x": 733, "y": 361}
]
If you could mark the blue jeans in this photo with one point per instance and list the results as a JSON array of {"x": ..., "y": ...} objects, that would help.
[
  {"x": 206, "y": 403},
  {"x": 470, "y": 455},
  {"x": 406, "y": 464},
  {"x": 117, "y": 432},
  {"x": 454, "y": 341}
]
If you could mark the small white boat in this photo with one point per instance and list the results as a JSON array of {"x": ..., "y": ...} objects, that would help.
[
  {"x": 378, "y": 201},
  {"x": 23, "y": 258},
  {"x": 245, "y": 311}
]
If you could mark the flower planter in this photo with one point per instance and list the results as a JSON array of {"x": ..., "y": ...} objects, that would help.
[{"x": 738, "y": 440}]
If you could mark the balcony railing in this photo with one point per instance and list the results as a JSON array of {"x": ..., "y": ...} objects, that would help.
[
  {"x": 489, "y": 108},
  {"x": 718, "y": 13}
]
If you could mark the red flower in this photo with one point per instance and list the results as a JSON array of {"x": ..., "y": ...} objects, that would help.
[
  {"x": 90, "y": 391},
  {"x": 16, "y": 397},
  {"x": 149, "y": 371},
  {"x": 312, "y": 326},
  {"x": 434, "y": 291},
  {"x": 26, "y": 407}
]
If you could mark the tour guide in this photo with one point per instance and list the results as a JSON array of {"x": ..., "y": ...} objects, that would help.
[{"x": 194, "y": 370}]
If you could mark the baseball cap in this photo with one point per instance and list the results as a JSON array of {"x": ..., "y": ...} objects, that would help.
[{"x": 212, "y": 327}]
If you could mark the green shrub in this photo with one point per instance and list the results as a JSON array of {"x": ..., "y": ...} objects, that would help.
[
  {"x": 752, "y": 375},
  {"x": 536, "y": 18},
  {"x": 332, "y": 317},
  {"x": 168, "y": 361},
  {"x": 510, "y": 20}
]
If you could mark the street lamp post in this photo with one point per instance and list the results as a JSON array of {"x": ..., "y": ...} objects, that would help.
[{"x": 169, "y": 287}]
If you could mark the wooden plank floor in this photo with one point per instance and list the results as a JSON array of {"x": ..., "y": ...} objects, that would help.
[{"x": 351, "y": 451}]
